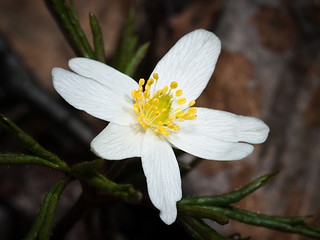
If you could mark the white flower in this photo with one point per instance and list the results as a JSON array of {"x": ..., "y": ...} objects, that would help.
[{"x": 148, "y": 123}]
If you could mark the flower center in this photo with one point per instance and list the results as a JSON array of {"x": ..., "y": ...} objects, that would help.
[{"x": 154, "y": 109}]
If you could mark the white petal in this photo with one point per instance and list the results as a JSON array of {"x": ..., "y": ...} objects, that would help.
[
  {"x": 219, "y": 135},
  {"x": 163, "y": 176},
  {"x": 190, "y": 62},
  {"x": 93, "y": 97},
  {"x": 117, "y": 142},
  {"x": 228, "y": 127},
  {"x": 112, "y": 78}
]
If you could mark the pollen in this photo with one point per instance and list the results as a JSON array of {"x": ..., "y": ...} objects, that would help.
[{"x": 156, "y": 109}]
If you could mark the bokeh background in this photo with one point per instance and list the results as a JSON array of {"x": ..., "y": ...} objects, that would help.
[{"x": 269, "y": 68}]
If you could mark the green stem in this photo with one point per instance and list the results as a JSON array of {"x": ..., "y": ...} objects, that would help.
[
  {"x": 199, "y": 212},
  {"x": 97, "y": 38},
  {"x": 30, "y": 144},
  {"x": 67, "y": 20},
  {"x": 284, "y": 224},
  {"x": 232, "y": 197}
]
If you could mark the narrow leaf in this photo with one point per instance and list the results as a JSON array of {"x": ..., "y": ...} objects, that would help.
[
  {"x": 30, "y": 144},
  {"x": 127, "y": 57},
  {"x": 136, "y": 59},
  {"x": 86, "y": 172},
  {"x": 67, "y": 20},
  {"x": 199, "y": 212},
  {"x": 97, "y": 38},
  {"x": 41, "y": 228},
  {"x": 232, "y": 197},
  {"x": 14, "y": 158},
  {"x": 199, "y": 230},
  {"x": 284, "y": 224}
]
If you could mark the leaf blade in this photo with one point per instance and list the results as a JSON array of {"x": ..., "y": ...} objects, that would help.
[{"x": 41, "y": 229}]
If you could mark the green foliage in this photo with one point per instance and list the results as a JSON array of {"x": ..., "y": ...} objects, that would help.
[
  {"x": 128, "y": 58},
  {"x": 67, "y": 19},
  {"x": 97, "y": 38},
  {"x": 32, "y": 146},
  {"x": 41, "y": 228},
  {"x": 218, "y": 209},
  {"x": 16, "y": 158},
  {"x": 200, "y": 212},
  {"x": 199, "y": 230},
  {"x": 86, "y": 172},
  {"x": 285, "y": 224},
  {"x": 232, "y": 197}
]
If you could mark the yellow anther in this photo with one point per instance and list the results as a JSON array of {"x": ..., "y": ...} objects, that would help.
[
  {"x": 174, "y": 85},
  {"x": 181, "y": 101},
  {"x": 150, "y": 81},
  {"x": 146, "y": 94},
  {"x": 192, "y": 117},
  {"x": 167, "y": 122},
  {"x": 155, "y": 76},
  {"x": 179, "y": 114},
  {"x": 155, "y": 101},
  {"x": 156, "y": 112},
  {"x": 141, "y": 115},
  {"x": 171, "y": 125},
  {"x": 178, "y": 93},
  {"x": 141, "y": 81},
  {"x": 192, "y": 111},
  {"x": 192, "y": 103},
  {"x": 134, "y": 94},
  {"x": 164, "y": 110}
]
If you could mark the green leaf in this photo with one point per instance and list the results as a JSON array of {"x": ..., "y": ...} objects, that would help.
[
  {"x": 14, "y": 158},
  {"x": 30, "y": 144},
  {"x": 97, "y": 38},
  {"x": 232, "y": 197},
  {"x": 284, "y": 224},
  {"x": 86, "y": 172},
  {"x": 199, "y": 212},
  {"x": 127, "y": 57},
  {"x": 133, "y": 63},
  {"x": 41, "y": 228},
  {"x": 199, "y": 230},
  {"x": 67, "y": 19}
]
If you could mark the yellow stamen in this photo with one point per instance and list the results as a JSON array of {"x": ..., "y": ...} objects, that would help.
[
  {"x": 154, "y": 109},
  {"x": 134, "y": 94},
  {"x": 192, "y": 111},
  {"x": 173, "y": 85},
  {"x": 141, "y": 82},
  {"x": 178, "y": 93},
  {"x": 181, "y": 101},
  {"x": 155, "y": 76},
  {"x": 192, "y": 103}
]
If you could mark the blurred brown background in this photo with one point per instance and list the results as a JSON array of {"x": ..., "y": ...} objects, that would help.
[{"x": 269, "y": 68}]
